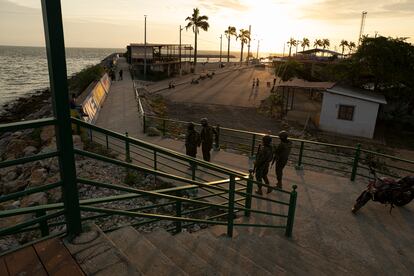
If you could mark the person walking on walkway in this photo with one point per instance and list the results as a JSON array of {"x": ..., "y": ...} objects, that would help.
[
  {"x": 257, "y": 82},
  {"x": 281, "y": 156},
  {"x": 121, "y": 73},
  {"x": 206, "y": 135},
  {"x": 192, "y": 141},
  {"x": 261, "y": 165}
]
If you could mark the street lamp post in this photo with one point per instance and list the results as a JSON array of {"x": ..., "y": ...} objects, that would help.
[
  {"x": 179, "y": 49},
  {"x": 258, "y": 45},
  {"x": 221, "y": 46},
  {"x": 145, "y": 48}
]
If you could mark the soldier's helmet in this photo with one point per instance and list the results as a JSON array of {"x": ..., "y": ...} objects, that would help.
[
  {"x": 283, "y": 135},
  {"x": 190, "y": 126},
  {"x": 267, "y": 140},
  {"x": 204, "y": 121}
]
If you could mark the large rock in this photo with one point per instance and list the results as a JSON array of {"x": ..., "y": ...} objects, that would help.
[
  {"x": 47, "y": 134},
  {"x": 153, "y": 131},
  {"x": 15, "y": 148},
  {"x": 13, "y": 186},
  {"x": 38, "y": 177},
  {"x": 29, "y": 151},
  {"x": 34, "y": 200}
]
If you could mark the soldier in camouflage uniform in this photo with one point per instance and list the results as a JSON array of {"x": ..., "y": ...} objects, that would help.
[
  {"x": 192, "y": 141},
  {"x": 261, "y": 166},
  {"x": 207, "y": 133},
  {"x": 281, "y": 156}
]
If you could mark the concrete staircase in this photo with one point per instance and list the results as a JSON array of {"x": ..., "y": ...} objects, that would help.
[{"x": 210, "y": 252}]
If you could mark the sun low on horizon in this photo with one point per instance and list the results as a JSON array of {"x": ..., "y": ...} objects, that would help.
[{"x": 114, "y": 24}]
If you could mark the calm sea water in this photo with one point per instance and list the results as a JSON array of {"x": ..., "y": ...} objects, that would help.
[{"x": 23, "y": 70}]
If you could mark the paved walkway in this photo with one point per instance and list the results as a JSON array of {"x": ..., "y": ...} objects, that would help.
[{"x": 374, "y": 239}]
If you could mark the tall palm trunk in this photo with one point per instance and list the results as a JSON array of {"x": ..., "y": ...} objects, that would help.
[
  {"x": 241, "y": 54},
  {"x": 228, "y": 50},
  {"x": 195, "y": 49},
  {"x": 290, "y": 50}
]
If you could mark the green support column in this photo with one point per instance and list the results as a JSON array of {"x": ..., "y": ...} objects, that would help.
[
  {"x": 249, "y": 191},
  {"x": 44, "y": 227},
  {"x": 230, "y": 216},
  {"x": 291, "y": 213},
  {"x": 355, "y": 163},
  {"x": 55, "y": 47}
]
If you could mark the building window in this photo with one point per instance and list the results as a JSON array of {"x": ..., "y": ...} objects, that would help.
[{"x": 346, "y": 112}]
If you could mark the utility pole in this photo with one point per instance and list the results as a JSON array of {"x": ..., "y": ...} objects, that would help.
[
  {"x": 179, "y": 50},
  {"x": 258, "y": 45},
  {"x": 361, "y": 29},
  {"x": 283, "y": 50},
  {"x": 221, "y": 46},
  {"x": 145, "y": 48},
  {"x": 248, "y": 45}
]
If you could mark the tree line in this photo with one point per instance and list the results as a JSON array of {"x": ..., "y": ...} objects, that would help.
[{"x": 324, "y": 43}]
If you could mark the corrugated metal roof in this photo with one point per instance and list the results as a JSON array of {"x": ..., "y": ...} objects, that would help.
[{"x": 358, "y": 93}]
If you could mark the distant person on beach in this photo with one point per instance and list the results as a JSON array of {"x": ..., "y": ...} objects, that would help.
[
  {"x": 257, "y": 82},
  {"x": 112, "y": 75},
  {"x": 261, "y": 165},
  {"x": 121, "y": 72},
  {"x": 281, "y": 156},
  {"x": 206, "y": 136},
  {"x": 192, "y": 141},
  {"x": 254, "y": 82},
  {"x": 274, "y": 81}
]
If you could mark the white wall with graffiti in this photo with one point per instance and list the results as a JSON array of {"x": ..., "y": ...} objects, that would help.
[{"x": 94, "y": 101}]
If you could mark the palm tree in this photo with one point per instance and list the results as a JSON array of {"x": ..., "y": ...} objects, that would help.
[
  {"x": 231, "y": 31},
  {"x": 244, "y": 36},
  {"x": 351, "y": 46},
  {"x": 343, "y": 44},
  {"x": 317, "y": 43},
  {"x": 325, "y": 43},
  {"x": 305, "y": 43},
  {"x": 292, "y": 43},
  {"x": 197, "y": 22}
]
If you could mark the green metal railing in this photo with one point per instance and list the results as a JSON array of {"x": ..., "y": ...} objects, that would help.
[
  {"x": 225, "y": 191},
  {"x": 348, "y": 161}
]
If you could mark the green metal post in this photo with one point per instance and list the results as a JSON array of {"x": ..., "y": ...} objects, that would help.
[
  {"x": 355, "y": 163},
  {"x": 44, "y": 227},
  {"x": 144, "y": 124},
  {"x": 249, "y": 191},
  {"x": 90, "y": 135},
  {"x": 178, "y": 209},
  {"x": 55, "y": 48},
  {"x": 230, "y": 216},
  {"x": 299, "y": 166},
  {"x": 127, "y": 152},
  {"x": 164, "y": 130},
  {"x": 107, "y": 141},
  {"x": 253, "y": 144},
  {"x": 291, "y": 213}
]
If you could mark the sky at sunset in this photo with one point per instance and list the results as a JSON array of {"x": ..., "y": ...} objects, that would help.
[{"x": 114, "y": 24}]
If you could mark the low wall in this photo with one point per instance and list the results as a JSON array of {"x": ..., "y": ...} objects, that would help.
[{"x": 94, "y": 101}]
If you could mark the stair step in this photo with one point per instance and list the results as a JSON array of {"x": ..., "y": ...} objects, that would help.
[
  {"x": 143, "y": 254},
  {"x": 253, "y": 253},
  {"x": 179, "y": 254},
  {"x": 223, "y": 259},
  {"x": 285, "y": 253},
  {"x": 98, "y": 255}
]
